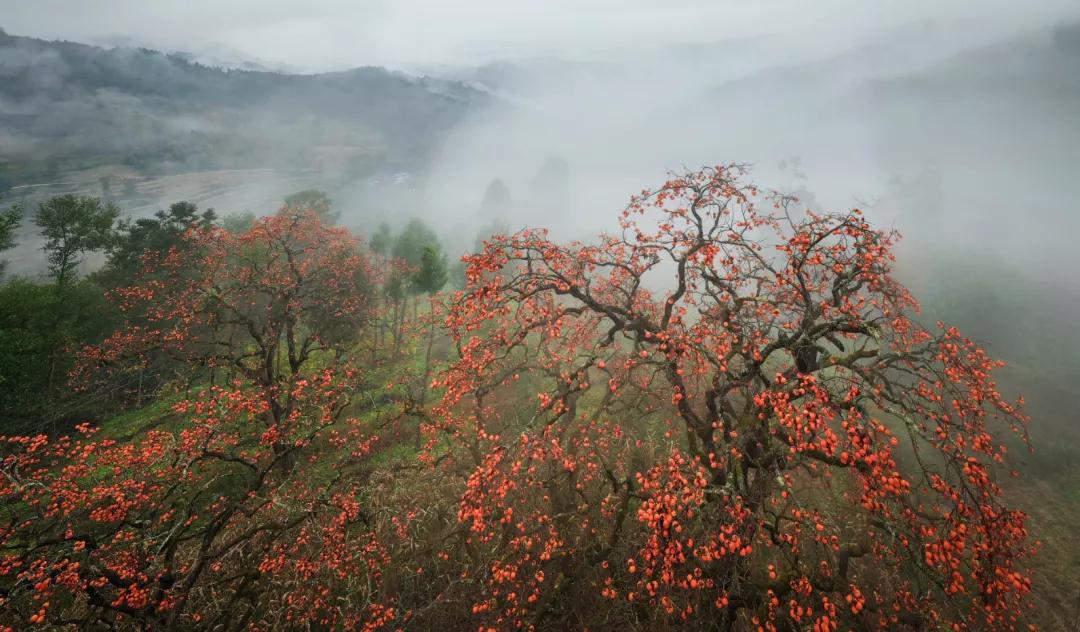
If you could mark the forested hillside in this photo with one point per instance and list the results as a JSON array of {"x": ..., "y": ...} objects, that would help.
[{"x": 66, "y": 106}]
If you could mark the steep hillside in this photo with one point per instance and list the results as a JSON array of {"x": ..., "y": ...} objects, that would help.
[{"x": 66, "y": 106}]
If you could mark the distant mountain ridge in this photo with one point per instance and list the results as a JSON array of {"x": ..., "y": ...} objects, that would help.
[{"x": 67, "y": 105}]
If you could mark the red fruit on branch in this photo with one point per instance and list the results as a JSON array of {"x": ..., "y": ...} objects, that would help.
[{"x": 739, "y": 399}]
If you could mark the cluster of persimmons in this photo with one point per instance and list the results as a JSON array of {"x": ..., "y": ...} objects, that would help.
[{"x": 723, "y": 415}]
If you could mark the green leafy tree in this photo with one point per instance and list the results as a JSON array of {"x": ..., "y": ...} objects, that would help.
[
  {"x": 380, "y": 242},
  {"x": 432, "y": 275},
  {"x": 238, "y": 222},
  {"x": 165, "y": 230},
  {"x": 73, "y": 225},
  {"x": 410, "y": 243},
  {"x": 314, "y": 200},
  {"x": 37, "y": 324},
  {"x": 9, "y": 223},
  {"x": 409, "y": 248}
]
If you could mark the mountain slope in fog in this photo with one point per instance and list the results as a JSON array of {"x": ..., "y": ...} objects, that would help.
[
  {"x": 862, "y": 116},
  {"x": 65, "y": 105}
]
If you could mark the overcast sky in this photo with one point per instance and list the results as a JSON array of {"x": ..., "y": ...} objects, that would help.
[{"x": 314, "y": 35}]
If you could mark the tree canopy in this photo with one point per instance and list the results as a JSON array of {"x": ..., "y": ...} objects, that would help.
[
  {"x": 432, "y": 275},
  {"x": 736, "y": 419},
  {"x": 213, "y": 521},
  {"x": 313, "y": 200},
  {"x": 157, "y": 234},
  {"x": 411, "y": 241},
  {"x": 10, "y": 219},
  {"x": 73, "y": 225}
]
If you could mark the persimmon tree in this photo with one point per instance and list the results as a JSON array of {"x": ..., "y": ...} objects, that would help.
[
  {"x": 247, "y": 510},
  {"x": 726, "y": 414}
]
